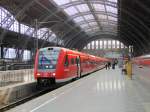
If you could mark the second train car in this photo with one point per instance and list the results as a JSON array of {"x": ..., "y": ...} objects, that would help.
[{"x": 57, "y": 64}]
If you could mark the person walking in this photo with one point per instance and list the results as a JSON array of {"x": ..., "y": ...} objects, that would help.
[
  {"x": 106, "y": 66},
  {"x": 109, "y": 64},
  {"x": 113, "y": 64}
]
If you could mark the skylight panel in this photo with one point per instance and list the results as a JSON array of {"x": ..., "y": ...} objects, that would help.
[
  {"x": 112, "y": 18},
  {"x": 88, "y": 30},
  {"x": 78, "y": 19},
  {"x": 96, "y": 28},
  {"x": 84, "y": 25},
  {"x": 106, "y": 28},
  {"x": 61, "y": 2},
  {"x": 71, "y": 11},
  {"x": 104, "y": 23},
  {"x": 83, "y": 8},
  {"x": 74, "y": 0},
  {"x": 101, "y": 17},
  {"x": 93, "y": 23},
  {"x": 113, "y": 1},
  {"x": 88, "y": 17},
  {"x": 99, "y": 7},
  {"x": 111, "y": 9}
]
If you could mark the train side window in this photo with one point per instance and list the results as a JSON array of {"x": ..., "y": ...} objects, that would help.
[
  {"x": 72, "y": 61},
  {"x": 66, "y": 61}
]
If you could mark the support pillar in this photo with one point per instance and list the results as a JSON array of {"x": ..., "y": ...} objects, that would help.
[{"x": 2, "y": 51}]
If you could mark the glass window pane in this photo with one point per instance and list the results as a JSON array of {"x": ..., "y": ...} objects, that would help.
[
  {"x": 84, "y": 25},
  {"x": 118, "y": 44},
  {"x": 101, "y": 44},
  {"x": 111, "y": 9},
  {"x": 83, "y": 8},
  {"x": 122, "y": 46},
  {"x": 113, "y": 44},
  {"x": 78, "y": 19},
  {"x": 10, "y": 53},
  {"x": 101, "y": 17},
  {"x": 112, "y": 18},
  {"x": 109, "y": 44},
  {"x": 104, "y": 23},
  {"x": 113, "y": 1},
  {"x": 93, "y": 23},
  {"x": 96, "y": 28},
  {"x": 88, "y": 30},
  {"x": 96, "y": 44},
  {"x": 61, "y": 2},
  {"x": 105, "y": 44},
  {"x": 88, "y": 17},
  {"x": 71, "y": 11},
  {"x": 26, "y": 55},
  {"x": 99, "y": 7},
  {"x": 23, "y": 28}
]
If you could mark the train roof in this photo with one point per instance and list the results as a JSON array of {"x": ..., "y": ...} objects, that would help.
[{"x": 73, "y": 51}]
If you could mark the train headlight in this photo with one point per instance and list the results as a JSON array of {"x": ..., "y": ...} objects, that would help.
[
  {"x": 38, "y": 74},
  {"x": 53, "y": 74}
]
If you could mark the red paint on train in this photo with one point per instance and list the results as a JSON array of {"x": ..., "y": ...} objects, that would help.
[{"x": 56, "y": 64}]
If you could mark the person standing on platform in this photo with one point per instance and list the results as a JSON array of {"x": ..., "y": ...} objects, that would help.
[
  {"x": 113, "y": 64},
  {"x": 109, "y": 64},
  {"x": 106, "y": 66}
]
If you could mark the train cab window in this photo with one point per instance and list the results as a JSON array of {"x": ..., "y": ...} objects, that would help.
[{"x": 66, "y": 61}]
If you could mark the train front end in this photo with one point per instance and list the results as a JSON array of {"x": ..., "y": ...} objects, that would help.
[{"x": 46, "y": 64}]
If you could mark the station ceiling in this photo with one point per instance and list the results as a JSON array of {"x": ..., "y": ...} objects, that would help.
[{"x": 78, "y": 22}]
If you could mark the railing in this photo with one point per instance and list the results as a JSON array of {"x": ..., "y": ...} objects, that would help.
[
  {"x": 6, "y": 64},
  {"x": 15, "y": 76}
]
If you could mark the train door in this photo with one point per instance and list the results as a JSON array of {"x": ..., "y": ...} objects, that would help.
[{"x": 78, "y": 62}]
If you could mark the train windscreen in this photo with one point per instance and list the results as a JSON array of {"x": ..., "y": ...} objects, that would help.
[{"x": 48, "y": 59}]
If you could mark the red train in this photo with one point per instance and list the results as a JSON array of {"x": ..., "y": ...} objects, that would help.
[
  {"x": 142, "y": 60},
  {"x": 56, "y": 64}
]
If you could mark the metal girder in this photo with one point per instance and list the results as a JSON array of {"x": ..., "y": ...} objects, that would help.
[
  {"x": 105, "y": 32},
  {"x": 60, "y": 18},
  {"x": 137, "y": 32},
  {"x": 134, "y": 35},
  {"x": 135, "y": 43},
  {"x": 91, "y": 39},
  {"x": 134, "y": 18},
  {"x": 93, "y": 13},
  {"x": 72, "y": 29},
  {"x": 16, "y": 16},
  {"x": 98, "y": 33},
  {"x": 44, "y": 36},
  {"x": 84, "y": 13},
  {"x": 63, "y": 21},
  {"x": 79, "y": 39},
  {"x": 142, "y": 6},
  {"x": 108, "y": 3},
  {"x": 49, "y": 35},
  {"x": 96, "y": 12},
  {"x": 108, "y": 29},
  {"x": 68, "y": 40},
  {"x": 93, "y": 20}
]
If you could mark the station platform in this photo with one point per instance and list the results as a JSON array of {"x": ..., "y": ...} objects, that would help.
[{"x": 102, "y": 91}]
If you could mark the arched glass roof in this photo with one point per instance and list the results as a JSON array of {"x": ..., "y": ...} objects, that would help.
[
  {"x": 10, "y": 23},
  {"x": 91, "y": 15}
]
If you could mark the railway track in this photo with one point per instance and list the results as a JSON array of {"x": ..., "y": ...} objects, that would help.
[{"x": 39, "y": 92}]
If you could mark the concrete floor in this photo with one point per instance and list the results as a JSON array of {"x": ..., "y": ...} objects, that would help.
[{"x": 102, "y": 91}]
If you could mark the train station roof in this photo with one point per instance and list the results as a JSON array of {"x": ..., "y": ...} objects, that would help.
[{"x": 77, "y": 22}]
